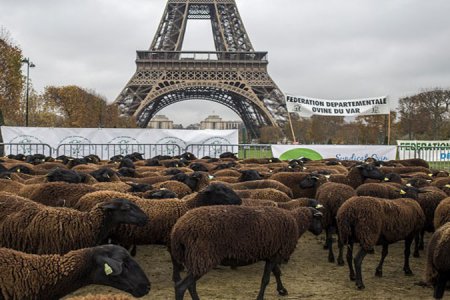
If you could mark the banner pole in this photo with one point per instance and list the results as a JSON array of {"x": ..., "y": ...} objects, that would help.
[
  {"x": 389, "y": 128},
  {"x": 292, "y": 128}
]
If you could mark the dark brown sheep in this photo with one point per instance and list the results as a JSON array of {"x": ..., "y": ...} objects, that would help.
[
  {"x": 428, "y": 199},
  {"x": 303, "y": 185},
  {"x": 264, "y": 194},
  {"x": 28, "y": 276},
  {"x": 379, "y": 190},
  {"x": 332, "y": 195},
  {"x": 438, "y": 264},
  {"x": 163, "y": 214},
  {"x": 56, "y": 193},
  {"x": 35, "y": 228},
  {"x": 371, "y": 221},
  {"x": 442, "y": 213},
  {"x": 262, "y": 184},
  {"x": 237, "y": 235},
  {"x": 358, "y": 174}
]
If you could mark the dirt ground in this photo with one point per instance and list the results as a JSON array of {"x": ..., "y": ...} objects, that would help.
[{"x": 308, "y": 275}]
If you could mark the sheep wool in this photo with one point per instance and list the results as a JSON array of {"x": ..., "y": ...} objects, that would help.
[
  {"x": 442, "y": 213},
  {"x": 438, "y": 262}
]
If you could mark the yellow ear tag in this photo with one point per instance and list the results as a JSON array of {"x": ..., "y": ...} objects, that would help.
[
  {"x": 386, "y": 179},
  {"x": 176, "y": 166},
  {"x": 319, "y": 206},
  {"x": 18, "y": 170},
  {"x": 327, "y": 176},
  {"x": 210, "y": 177},
  {"x": 108, "y": 269},
  {"x": 447, "y": 186},
  {"x": 431, "y": 175},
  {"x": 402, "y": 192},
  {"x": 409, "y": 184},
  {"x": 270, "y": 160}
]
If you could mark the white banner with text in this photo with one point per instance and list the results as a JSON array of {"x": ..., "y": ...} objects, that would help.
[
  {"x": 427, "y": 150},
  {"x": 307, "y": 107},
  {"x": 341, "y": 152}
]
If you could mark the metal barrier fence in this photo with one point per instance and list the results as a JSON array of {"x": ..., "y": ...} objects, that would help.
[
  {"x": 106, "y": 151},
  {"x": 26, "y": 149},
  {"x": 437, "y": 157},
  {"x": 242, "y": 150}
]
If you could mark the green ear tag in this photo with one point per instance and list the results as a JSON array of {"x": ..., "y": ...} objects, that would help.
[{"x": 108, "y": 269}]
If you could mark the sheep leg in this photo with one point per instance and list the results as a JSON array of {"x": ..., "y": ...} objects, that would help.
[
  {"x": 182, "y": 285},
  {"x": 280, "y": 288},
  {"x": 193, "y": 291},
  {"x": 268, "y": 268},
  {"x": 406, "y": 267},
  {"x": 329, "y": 243},
  {"x": 422, "y": 243},
  {"x": 176, "y": 270},
  {"x": 416, "y": 245},
  {"x": 350, "y": 260},
  {"x": 358, "y": 262},
  {"x": 327, "y": 236},
  {"x": 384, "y": 253},
  {"x": 439, "y": 288},
  {"x": 340, "y": 259}
]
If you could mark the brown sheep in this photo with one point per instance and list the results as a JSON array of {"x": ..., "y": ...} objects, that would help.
[
  {"x": 438, "y": 265},
  {"x": 442, "y": 213},
  {"x": 237, "y": 235},
  {"x": 10, "y": 186},
  {"x": 264, "y": 194},
  {"x": 371, "y": 221},
  {"x": 28, "y": 276},
  {"x": 163, "y": 214},
  {"x": 428, "y": 199},
  {"x": 358, "y": 174},
  {"x": 56, "y": 193},
  {"x": 35, "y": 228},
  {"x": 332, "y": 195},
  {"x": 379, "y": 190},
  {"x": 177, "y": 187},
  {"x": 262, "y": 184}
]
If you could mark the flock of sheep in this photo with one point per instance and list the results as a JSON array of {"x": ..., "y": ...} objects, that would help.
[{"x": 62, "y": 220}]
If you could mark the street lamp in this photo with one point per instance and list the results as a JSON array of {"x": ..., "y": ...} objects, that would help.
[{"x": 29, "y": 65}]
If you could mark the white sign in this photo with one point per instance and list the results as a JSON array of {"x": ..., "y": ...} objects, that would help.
[
  {"x": 107, "y": 142},
  {"x": 428, "y": 150},
  {"x": 307, "y": 107},
  {"x": 341, "y": 152}
]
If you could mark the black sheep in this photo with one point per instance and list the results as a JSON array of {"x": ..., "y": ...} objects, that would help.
[
  {"x": 69, "y": 176},
  {"x": 249, "y": 175},
  {"x": 103, "y": 174}
]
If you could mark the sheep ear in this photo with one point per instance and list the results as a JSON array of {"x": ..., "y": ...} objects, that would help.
[{"x": 110, "y": 266}]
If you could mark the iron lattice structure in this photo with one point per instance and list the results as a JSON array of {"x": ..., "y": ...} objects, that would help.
[{"x": 234, "y": 75}]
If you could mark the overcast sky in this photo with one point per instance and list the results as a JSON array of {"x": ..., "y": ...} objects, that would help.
[{"x": 325, "y": 49}]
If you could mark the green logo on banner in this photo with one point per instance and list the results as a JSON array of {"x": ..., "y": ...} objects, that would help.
[{"x": 301, "y": 152}]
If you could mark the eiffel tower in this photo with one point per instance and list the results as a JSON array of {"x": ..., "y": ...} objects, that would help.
[{"x": 235, "y": 75}]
